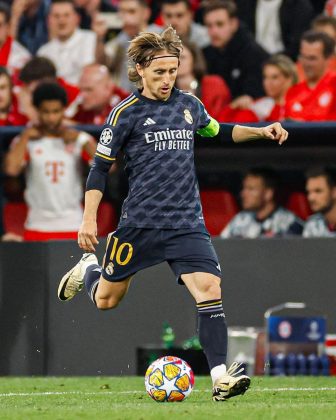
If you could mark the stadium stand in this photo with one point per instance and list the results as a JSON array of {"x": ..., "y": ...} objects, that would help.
[{"x": 219, "y": 206}]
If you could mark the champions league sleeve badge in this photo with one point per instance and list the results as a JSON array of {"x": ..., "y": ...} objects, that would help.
[
  {"x": 187, "y": 116},
  {"x": 106, "y": 136}
]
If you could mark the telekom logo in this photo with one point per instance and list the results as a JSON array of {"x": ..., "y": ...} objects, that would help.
[{"x": 54, "y": 169}]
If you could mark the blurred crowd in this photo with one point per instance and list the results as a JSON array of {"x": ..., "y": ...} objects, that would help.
[{"x": 63, "y": 63}]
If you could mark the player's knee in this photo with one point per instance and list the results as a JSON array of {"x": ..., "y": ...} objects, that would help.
[
  {"x": 107, "y": 303},
  {"x": 212, "y": 289}
]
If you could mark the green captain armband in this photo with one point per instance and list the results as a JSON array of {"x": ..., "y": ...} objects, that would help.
[{"x": 211, "y": 130}]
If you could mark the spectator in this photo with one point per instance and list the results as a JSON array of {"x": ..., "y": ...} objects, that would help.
[
  {"x": 326, "y": 24},
  {"x": 29, "y": 23},
  {"x": 330, "y": 8},
  {"x": 89, "y": 9},
  {"x": 191, "y": 77},
  {"x": 9, "y": 114},
  {"x": 233, "y": 53},
  {"x": 262, "y": 216},
  {"x": 12, "y": 54},
  {"x": 70, "y": 48},
  {"x": 98, "y": 95},
  {"x": 321, "y": 194},
  {"x": 51, "y": 153},
  {"x": 36, "y": 71},
  {"x": 179, "y": 14},
  {"x": 314, "y": 99},
  {"x": 135, "y": 16},
  {"x": 279, "y": 74},
  {"x": 277, "y": 24}
]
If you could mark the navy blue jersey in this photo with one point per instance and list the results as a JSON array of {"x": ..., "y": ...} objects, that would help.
[{"x": 157, "y": 138}]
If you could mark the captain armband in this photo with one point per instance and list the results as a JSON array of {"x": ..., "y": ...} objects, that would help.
[
  {"x": 97, "y": 176},
  {"x": 211, "y": 130}
]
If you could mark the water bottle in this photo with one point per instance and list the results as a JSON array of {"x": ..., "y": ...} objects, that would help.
[
  {"x": 325, "y": 365},
  {"x": 313, "y": 364},
  {"x": 279, "y": 364},
  {"x": 291, "y": 364},
  {"x": 168, "y": 336},
  {"x": 301, "y": 364}
]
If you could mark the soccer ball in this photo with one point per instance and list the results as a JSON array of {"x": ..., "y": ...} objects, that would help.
[{"x": 169, "y": 379}]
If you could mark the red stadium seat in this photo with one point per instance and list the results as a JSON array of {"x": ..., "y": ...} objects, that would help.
[
  {"x": 106, "y": 218},
  {"x": 14, "y": 214},
  {"x": 297, "y": 203},
  {"x": 219, "y": 206}
]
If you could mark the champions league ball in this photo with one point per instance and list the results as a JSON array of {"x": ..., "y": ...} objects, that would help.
[{"x": 169, "y": 379}]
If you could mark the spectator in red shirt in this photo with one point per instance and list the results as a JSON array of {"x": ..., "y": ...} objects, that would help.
[
  {"x": 36, "y": 71},
  {"x": 9, "y": 114},
  {"x": 279, "y": 74},
  {"x": 98, "y": 95},
  {"x": 315, "y": 98},
  {"x": 191, "y": 77},
  {"x": 326, "y": 24}
]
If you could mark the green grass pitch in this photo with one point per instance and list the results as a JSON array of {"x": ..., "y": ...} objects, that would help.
[{"x": 125, "y": 398}]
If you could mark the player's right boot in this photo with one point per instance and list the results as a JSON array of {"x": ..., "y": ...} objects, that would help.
[
  {"x": 230, "y": 384},
  {"x": 72, "y": 282}
]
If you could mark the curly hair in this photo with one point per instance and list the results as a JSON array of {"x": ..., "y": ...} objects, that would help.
[{"x": 146, "y": 45}]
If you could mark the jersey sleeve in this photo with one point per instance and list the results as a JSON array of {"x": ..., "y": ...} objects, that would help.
[
  {"x": 114, "y": 134},
  {"x": 112, "y": 138},
  {"x": 207, "y": 126}
]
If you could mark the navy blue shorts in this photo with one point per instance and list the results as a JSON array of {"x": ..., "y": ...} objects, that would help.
[{"x": 130, "y": 250}]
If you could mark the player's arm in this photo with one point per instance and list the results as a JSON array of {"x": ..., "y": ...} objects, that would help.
[
  {"x": 111, "y": 140},
  {"x": 209, "y": 127},
  {"x": 273, "y": 131},
  {"x": 95, "y": 186},
  {"x": 15, "y": 160}
]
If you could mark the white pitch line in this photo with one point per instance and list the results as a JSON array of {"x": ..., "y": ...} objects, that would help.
[{"x": 41, "y": 394}]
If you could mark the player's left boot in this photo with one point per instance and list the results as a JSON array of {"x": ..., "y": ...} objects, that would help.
[
  {"x": 231, "y": 384},
  {"x": 72, "y": 282}
]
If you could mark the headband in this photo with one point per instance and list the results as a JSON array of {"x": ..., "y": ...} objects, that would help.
[{"x": 159, "y": 56}]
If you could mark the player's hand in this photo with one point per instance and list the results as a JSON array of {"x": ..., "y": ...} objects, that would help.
[
  {"x": 275, "y": 132},
  {"x": 87, "y": 236}
]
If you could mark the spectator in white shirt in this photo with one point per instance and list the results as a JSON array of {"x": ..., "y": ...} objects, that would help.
[{"x": 70, "y": 48}]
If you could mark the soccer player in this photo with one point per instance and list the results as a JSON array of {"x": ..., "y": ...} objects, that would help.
[
  {"x": 162, "y": 217},
  {"x": 51, "y": 153}
]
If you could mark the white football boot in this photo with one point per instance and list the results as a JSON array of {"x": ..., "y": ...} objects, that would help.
[
  {"x": 72, "y": 282},
  {"x": 231, "y": 384}
]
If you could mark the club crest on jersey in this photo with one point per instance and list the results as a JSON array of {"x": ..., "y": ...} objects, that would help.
[
  {"x": 106, "y": 136},
  {"x": 110, "y": 269},
  {"x": 187, "y": 116}
]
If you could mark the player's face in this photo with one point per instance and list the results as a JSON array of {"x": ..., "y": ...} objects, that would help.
[
  {"x": 313, "y": 61},
  {"x": 179, "y": 16},
  {"x": 253, "y": 193},
  {"x": 63, "y": 20},
  {"x": 275, "y": 82},
  {"x": 51, "y": 114},
  {"x": 320, "y": 195},
  {"x": 5, "y": 93},
  {"x": 159, "y": 78},
  {"x": 220, "y": 27}
]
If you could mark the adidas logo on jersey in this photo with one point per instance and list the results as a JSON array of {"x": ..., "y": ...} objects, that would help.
[{"x": 149, "y": 121}]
